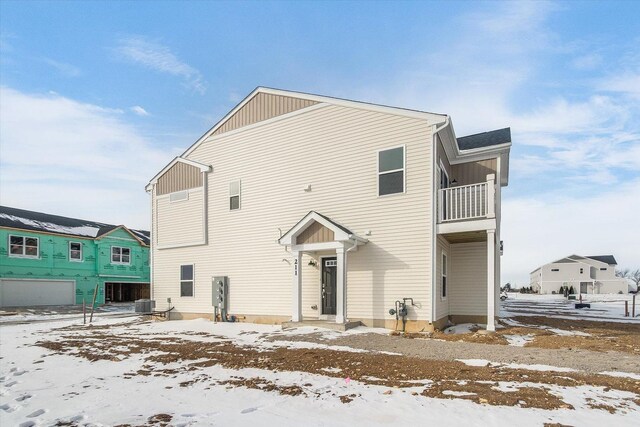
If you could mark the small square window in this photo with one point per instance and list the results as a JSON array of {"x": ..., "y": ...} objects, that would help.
[{"x": 120, "y": 255}]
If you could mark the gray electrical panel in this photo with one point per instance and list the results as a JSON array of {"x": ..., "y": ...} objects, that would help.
[{"x": 219, "y": 294}]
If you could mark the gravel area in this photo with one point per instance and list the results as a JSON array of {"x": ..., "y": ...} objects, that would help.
[{"x": 583, "y": 360}]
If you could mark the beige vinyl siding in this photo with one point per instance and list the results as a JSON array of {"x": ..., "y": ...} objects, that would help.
[
  {"x": 442, "y": 305},
  {"x": 262, "y": 107},
  {"x": 474, "y": 172},
  {"x": 468, "y": 279},
  {"x": 181, "y": 222},
  {"x": 333, "y": 149},
  {"x": 180, "y": 176}
]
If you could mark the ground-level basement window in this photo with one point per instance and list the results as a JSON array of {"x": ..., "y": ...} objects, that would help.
[
  {"x": 75, "y": 251},
  {"x": 391, "y": 168},
  {"x": 444, "y": 275},
  {"x": 234, "y": 195},
  {"x": 24, "y": 246},
  {"x": 186, "y": 280},
  {"x": 120, "y": 255}
]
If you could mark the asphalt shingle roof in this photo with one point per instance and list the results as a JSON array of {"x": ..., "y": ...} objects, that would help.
[
  {"x": 37, "y": 221},
  {"x": 485, "y": 139},
  {"x": 609, "y": 259}
]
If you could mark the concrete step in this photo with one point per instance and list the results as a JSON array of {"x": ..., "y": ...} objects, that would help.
[{"x": 326, "y": 324}]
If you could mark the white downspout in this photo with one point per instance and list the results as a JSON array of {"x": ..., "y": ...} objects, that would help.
[
  {"x": 434, "y": 236},
  {"x": 346, "y": 273}
]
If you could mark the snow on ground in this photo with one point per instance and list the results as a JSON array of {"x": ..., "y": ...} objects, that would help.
[
  {"x": 530, "y": 367},
  {"x": 608, "y": 307},
  {"x": 38, "y": 387},
  {"x": 518, "y": 340}
]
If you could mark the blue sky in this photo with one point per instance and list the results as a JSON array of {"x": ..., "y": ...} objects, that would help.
[{"x": 98, "y": 96}]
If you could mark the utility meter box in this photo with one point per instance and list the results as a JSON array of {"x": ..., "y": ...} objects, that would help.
[{"x": 219, "y": 294}]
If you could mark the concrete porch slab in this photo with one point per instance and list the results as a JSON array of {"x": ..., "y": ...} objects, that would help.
[{"x": 322, "y": 324}]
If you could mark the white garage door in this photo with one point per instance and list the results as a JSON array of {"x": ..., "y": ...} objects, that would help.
[{"x": 26, "y": 293}]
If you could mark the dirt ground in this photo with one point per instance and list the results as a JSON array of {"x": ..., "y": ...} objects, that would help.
[
  {"x": 601, "y": 336},
  {"x": 445, "y": 379}
]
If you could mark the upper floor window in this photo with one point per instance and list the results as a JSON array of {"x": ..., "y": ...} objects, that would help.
[
  {"x": 581, "y": 270},
  {"x": 179, "y": 196},
  {"x": 555, "y": 269},
  {"x": 75, "y": 251},
  {"x": 391, "y": 168},
  {"x": 120, "y": 255},
  {"x": 234, "y": 195},
  {"x": 24, "y": 246},
  {"x": 603, "y": 269}
]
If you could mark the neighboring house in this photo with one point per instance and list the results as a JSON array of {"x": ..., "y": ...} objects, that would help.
[
  {"x": 323, "y": 208},
  {"x": 53, "y": 260},
  {"x": 586, "y": 274}
]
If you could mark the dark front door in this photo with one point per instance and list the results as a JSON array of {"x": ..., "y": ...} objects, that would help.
[{"x": 329, "y": 277}]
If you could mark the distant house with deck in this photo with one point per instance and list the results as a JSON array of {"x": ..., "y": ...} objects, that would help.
[
  {"x": 331, "y": 210},
  {"x": 54, "y": 260},
  {"x": 586, "y": 274}
]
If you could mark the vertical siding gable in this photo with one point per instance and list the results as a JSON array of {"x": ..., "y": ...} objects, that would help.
[
  {"x": 261, "y": 107},
  {"x": 315, "y": 233},
  {"x": 180, "y": 176}
]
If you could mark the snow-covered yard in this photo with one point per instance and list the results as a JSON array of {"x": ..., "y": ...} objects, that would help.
[{"x": 124, "y": 371}]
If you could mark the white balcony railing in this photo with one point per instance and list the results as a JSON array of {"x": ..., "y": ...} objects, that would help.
[{"x": 467, "y": 202}]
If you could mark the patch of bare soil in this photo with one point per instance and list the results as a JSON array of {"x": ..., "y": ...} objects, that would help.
[
  {"x": 603, "y": 336},
  {"x": 442, "y": 379}
]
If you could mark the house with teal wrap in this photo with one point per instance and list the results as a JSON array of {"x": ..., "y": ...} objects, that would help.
[{"x": 54, "y": 260}]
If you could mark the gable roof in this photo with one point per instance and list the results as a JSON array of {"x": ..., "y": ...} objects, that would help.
[
  {"x": 342, "y": 233},
  {"x": 608, "y": 259},
  {"x": 41, "y": 222},
  {"x": 485, "y": 139},
  {"x": 315, "y": 99}
]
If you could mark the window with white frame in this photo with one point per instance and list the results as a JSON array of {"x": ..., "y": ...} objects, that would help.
[
  {"x": 391, "y": 169},
  {"x": 443, "y": 295},
  {"x": 186, "y": 280},
  {"x": 22, "y": 246},
  {"x": 75, "y": 251},
  {"x": 120, "y": 255},
  {"x": 234, "y": 195}
]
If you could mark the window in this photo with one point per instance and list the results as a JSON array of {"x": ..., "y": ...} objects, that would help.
[
  {"x": 444, "y": 276},
  {"x": 555, "y": 269},
  {"x": 234, "y": 195},
  {"x": 120, "y": 255},
  {"x": 581, "y": 270},
  {"x": 186, "y": 280},
  {"x": 179, "y": 196},
  {"x": 603, "y": 269},
  {"x": 24, "y": 246},
  {"x": 75, "y": 251},
  {"x": 391, "y": 171}
]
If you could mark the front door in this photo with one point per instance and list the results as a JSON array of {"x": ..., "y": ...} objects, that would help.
[{"x": 329, "y": 276}]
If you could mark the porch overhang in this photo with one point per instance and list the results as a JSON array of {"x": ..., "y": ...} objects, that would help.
[{"x": 341, "y": 235}]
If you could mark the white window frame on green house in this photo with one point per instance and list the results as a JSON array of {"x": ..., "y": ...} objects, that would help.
[
  {"x": 78, "y": 251},
  {"x": 23, "y": 253},
  {"x": 120, "y": 255},
  {"x": 184, "y": 281},
  {"x": 235, "y": 193},
  {"x": 403, "y": 169}
]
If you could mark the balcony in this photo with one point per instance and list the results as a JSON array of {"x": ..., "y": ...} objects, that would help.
[{"x": 468, "y": 209}]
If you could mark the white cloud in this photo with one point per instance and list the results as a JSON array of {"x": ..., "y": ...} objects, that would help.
[
  {"x": 63, "y": 68},
  {"x": 70, "y": 158},
  {"x": 539, "y": 230},
  {"x": 139, "y": 110},
  {"x": 160, "y": 58}
]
